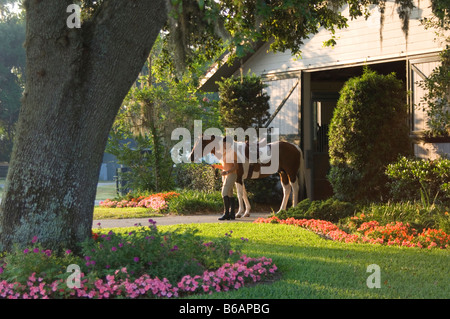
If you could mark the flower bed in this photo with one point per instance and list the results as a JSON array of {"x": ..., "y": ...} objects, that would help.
[
  {"x": 229, "y": 276},
  {"x": 395, "y": 233},
  {"x": 130, "y": 265},
  {"x": 157, "y": 202}
]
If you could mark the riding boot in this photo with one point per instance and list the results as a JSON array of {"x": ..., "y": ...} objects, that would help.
[
  {"x": 226, "y": 204},
  {"x": 232, "y": 216}
]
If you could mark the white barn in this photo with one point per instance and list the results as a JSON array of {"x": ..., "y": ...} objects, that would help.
[{"x": 316, "y": 78}]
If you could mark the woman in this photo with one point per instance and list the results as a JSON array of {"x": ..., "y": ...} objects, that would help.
[{"x": 229, "y": 168}]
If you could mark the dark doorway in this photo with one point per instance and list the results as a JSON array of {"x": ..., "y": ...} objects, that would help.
[{"x": 325, "y": 88}]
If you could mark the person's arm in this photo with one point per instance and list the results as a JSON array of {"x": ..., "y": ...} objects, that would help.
[{"x": 231, "y": 170}]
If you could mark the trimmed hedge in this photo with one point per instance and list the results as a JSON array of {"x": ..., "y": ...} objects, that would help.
[{"x": 367, "y": 132}]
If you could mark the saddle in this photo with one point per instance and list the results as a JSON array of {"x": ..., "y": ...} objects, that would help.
[
  {"x": 258, "y": 147},
  {"x": 255, "y": 167}
]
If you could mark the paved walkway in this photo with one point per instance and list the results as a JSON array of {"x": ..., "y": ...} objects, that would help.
[{"x": 173, "y": 220}]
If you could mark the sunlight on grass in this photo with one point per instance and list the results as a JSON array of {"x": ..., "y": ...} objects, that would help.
[
  {"x": 106, "y": 190},
  {"x": 313, "y": 267},
  {"x": 125, "y": 212}
]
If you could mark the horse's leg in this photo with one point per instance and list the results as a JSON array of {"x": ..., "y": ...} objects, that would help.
[
  {"x": 295, "y": 188},
  {"x": 240, "y": 196},
  {"x": 286, "y": 190},
  {"x": 246, "y": 201}
]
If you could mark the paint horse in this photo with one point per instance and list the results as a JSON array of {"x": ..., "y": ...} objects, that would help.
[{"x": 288, "y": 167}]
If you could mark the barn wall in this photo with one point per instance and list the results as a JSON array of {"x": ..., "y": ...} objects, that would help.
[{"x": 363, "y": 41}]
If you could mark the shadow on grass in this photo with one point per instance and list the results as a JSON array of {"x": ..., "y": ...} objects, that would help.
[{"x": 313, "y": 267}]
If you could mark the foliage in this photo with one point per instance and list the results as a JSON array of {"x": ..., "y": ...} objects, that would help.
[
  {"x": 146, "y": 250},
  {"x": 419, "y": 215},
  {"x": 191, "y": 202},
  {"x": 141, "y": 137},
  {"x": 398, "y": 233},
  {"x": 156, "y": 202},
  {"x": 437, "y": 106},
  {"x": 34, "y": 259},
  {"x": 12, "y": 67},
  {"x": 311, "y": 267},
  {"x": 367, "y": 132},
  {"x": 414, "y": 178},
  {"x": 129, "y": 265},
  {"x": 437, "y": 85},
  {"x": 330, "y": 210},
  {"x": 243, "y": 103},
  {"x": 200, "y": 177},
  {"x": 265, "y": 190},
  {"x": 238, "y": 25}
]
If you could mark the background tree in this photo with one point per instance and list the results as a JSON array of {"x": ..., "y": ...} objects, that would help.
[
  {"x": 76, "y": 80},
  {"x": 243, "y": 102},
  {"x": 12, "y": 67},
  {"x": 160, "y": 101},
  {"x": 437, "y": 85}
]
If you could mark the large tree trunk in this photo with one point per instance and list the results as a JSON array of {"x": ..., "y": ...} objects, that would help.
[{"x": 76, "y": 80}]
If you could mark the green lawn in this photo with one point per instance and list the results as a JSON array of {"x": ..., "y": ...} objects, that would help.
[
  {"x": 313, "y": 267},
  {"x": 124, "y": 212},
  {"x": 106, "y": 190}
]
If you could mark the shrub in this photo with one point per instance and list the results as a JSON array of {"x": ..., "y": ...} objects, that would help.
[
  {"x": 411, "y": 178},
  {"x": 200, "y": 177},
  {"x": 391, "y": 234},
  {"x": 130, "y": 264},
  {"x": 147, "y": 250},
  {"x": 416, "y": 214},
  {"x": 330, "y": 210},
  {"x": 368, "y": 131},
  {"x": 265, "y": 191},
  {"x": 22, "y": 262},
  {"x": 156, "y": 202},
  {"x": 437, "y": 87},
  {"x": 243, "y": 102},
  {"x": 190, "y": 201},
  {"x": 142, "y": 250}
]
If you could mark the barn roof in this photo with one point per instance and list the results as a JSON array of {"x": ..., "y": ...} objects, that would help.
[{"x": 224, "y": 68}]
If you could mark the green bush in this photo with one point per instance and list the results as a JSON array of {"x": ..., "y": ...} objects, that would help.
[
  {"x": 418, "y": 215},
  {"x": 200, "y": 177},
  {"x": 265, "y": 190},
  {"x": 243, "y": 102},
  {"x": 126, "y": 252},
  {"x": 367, "y": 132},
  {"x": 413, "y": 178},
  {"x": 22, "y": 262},
  {"x": 190, "y": 201},
  {"x": 331, "y": 210},
  {"x": 147, "y": 250}
]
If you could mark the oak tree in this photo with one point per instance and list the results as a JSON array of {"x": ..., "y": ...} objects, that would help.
[{"x": 76, "y": 79}]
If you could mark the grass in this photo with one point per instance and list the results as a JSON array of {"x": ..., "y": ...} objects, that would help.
[
  {"x": 106, "y": 190},
  {"x": 313, "y": 267},
  {"x": 121, "y": 213},
  {"x": 2, "y": 182}
]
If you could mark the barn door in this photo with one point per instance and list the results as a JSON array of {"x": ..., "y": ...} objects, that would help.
[
  {"x": 284, "y": 92},
  {"x": 419, "y": 70}
]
